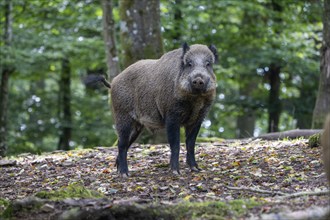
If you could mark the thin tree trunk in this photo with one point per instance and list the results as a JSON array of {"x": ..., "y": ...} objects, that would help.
[
  {"x": 5, "y": 74},
  {"x": 246, "y": 121},
  {"x": 109, "y": 39},
  {"x": 65, "y": 106},
  {"x": 274, "y": 103},
  {"x": 246, "y": 124},
  {"x": 302, "y": 114},
  {"x": 322, "y": 105}
]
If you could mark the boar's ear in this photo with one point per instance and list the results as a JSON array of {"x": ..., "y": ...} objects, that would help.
[
  {"x": 215, "y": 52},
  {"x": 185, "y": 48}
]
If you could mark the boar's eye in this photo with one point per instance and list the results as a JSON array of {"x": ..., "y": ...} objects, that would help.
[
  {"x": 190, "y": 63},
  {"x": 207, "y": 64}
]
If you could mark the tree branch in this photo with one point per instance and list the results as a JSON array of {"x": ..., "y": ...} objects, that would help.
[
  {"x": 256, "y": 190},
  {"x": 282, "y": 194},
  {"x": 290, "y": 134},
  {"x": 307, "y": 193}
]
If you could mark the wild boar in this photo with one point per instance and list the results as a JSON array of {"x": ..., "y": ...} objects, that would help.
[{"x": 173, "y": 91}]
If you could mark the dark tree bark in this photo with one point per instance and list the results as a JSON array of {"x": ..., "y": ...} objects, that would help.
[
  {"x": 141, "y": 39},
  {"x": 65, "y": 106},
  {"x": 140, "y": 30},
  {"x": 246, "y": 124},
  {"x": 304, "y": 114},
  {"x": 109, "y": 39},
  {"x": 246, "y": 121},
  {"x": 5, "y": 74},
  {"x": 322, "y": 105},
  {"x": 274, "y": 103}
]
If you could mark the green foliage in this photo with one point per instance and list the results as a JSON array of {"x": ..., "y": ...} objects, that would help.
[
  {"x": 250, "y": 35},
  {"x": 43, "y": 34}
]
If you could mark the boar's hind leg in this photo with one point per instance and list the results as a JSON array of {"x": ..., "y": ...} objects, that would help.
[
  {"x": 127, "y": 134},
  {"x": 191, "y": 135},
  {"x": 173, "y": 136}
]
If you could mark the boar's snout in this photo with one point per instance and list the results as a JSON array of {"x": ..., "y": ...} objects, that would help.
[{"x": 199, "y": 83}]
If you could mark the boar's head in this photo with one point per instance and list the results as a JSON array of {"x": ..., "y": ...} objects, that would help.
[{"x": 196, "y": 73}]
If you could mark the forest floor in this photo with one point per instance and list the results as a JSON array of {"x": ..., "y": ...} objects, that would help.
[{"x": 240, "y": 179}]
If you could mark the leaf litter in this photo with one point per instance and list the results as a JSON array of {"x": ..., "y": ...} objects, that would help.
[{"x": 232, "y": 169}]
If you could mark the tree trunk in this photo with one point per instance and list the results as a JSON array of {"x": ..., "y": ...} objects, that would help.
[
  {"x": 109, "y": 39},
  {"x": 303, "y": 113},
  {"x": 65, "y": 106},
  {"x": 246, "y": 121},
  {"x": 274, "y": 103},
  {"x": 6, "y": 71},
  {"x": 141, "y": 39},
  {"x": 36, "y": 137},
  {"x": 322, "y": 105},
  {"x": 246, "y": 124},
  {"x": 140, "y": 30}
]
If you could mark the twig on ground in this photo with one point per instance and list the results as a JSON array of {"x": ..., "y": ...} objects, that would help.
[
  {"x": 307, "y": 193},
  {"x": 282, "y": 195},
  {"x": 257, "y": 190}
]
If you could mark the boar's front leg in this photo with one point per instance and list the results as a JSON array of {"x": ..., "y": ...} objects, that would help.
[
  {"x": 173, "y": 136},
  {"x": 191, "y": 135}
]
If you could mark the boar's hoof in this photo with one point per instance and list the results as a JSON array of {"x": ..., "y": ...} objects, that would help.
[
  {"x": 124, "y": 175},
  {"x": 176, "y": 172},
  {"x": 195, "y": 169}
]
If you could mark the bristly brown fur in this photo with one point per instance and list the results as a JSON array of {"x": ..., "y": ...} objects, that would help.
[{"x": 175, "y": 90}]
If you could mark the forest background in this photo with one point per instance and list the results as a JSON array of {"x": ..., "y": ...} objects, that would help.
[{"x": 268, "y": 74}]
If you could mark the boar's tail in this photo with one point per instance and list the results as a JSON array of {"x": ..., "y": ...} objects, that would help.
[
  {"x": 93, "y": 78},
  {"x": 105, "y": 82}
]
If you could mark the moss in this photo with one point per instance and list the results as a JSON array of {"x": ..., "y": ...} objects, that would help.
[
  {"x": 314, "y": 140},
  {"x": 186, "y": 210},
  {"x": 162, "y": 165},
  {"x": 4, "y": 204},
  {"x": 152, "y": 52},
  {"x": 24, "y": 205},
  {"x": 125, "y": 5},
  {"x": 209, "y": 139},
  {"x": 213, "y": 210},
  {"x": 7, "y": 213},
  {"x": 74, "y": 190}
]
